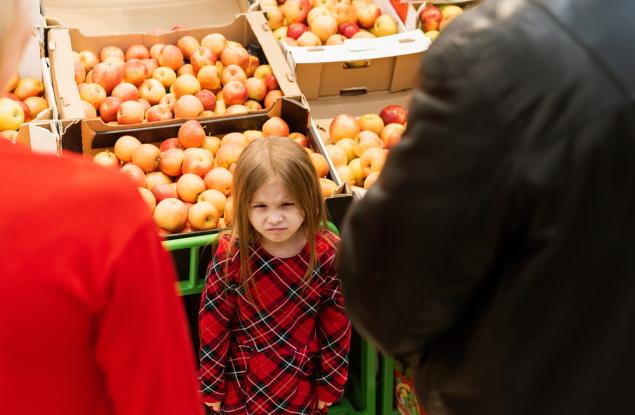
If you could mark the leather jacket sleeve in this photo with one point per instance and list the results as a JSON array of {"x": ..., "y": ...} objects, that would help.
[{"x": 419, "y": 247}]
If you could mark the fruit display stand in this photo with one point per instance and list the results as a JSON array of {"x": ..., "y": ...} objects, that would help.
[{"x": 72, "y": 30}]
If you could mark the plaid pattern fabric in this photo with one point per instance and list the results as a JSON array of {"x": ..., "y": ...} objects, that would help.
[{"x": 283, "y": 355}]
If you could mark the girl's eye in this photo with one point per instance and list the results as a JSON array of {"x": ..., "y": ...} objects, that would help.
[
  {"x": 287, "y": 204},
  {"x": 258, "y": 206}
]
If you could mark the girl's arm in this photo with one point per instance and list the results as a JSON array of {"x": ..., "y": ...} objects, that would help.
[
  {"x": 217, "y": 308},
  {"x": 334, "y": 333}
]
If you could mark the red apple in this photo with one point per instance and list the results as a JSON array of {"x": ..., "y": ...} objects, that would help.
[
  {"x": 296, "y": 11},
  {"x": 168, "y": 100},
  {"x": 391, "y": 134},
  {"x": 111, "y": 51},
  {"x": 126, "y": 92},
  {"x": 275, "y": 126},
  {"x": 207, "y": 98},
  {"x": 272, "y": 96},
  {"x": 232, "y": 73},
  {"x": 256, "y": 88},
  {"x": 158, "y": 113},
  {"x": 188, "y": 106},
  {"x": 343, "y": 126},
  {"x": 169, "y": 143},
  {"x": 366, "y": 16},
  {"x": 171, "y": 161},
  {"x": 136, "y": 52},
  {"x": 163, "y": 191},
  {"x": 234, "y": 92},
  {"x": 108, "y": 109},
  {"x": 151, "y": 65},
  {"x": 171, "y": 56},
  {"x": 295, "y": 30},
  {"x": 197, "y": 161},
  {"x": 187, "y": 44},
  {"x": 135, "y": 173},
  {"x": 191, "y": 134},
  {"x": 130, "y": 112},
  {"x": 348, "y": 29},
  {"x": 107, "y": 74},
  {"x": 236, "y": 56},
  {"x": 394, "y": 114},
  {"x": 202, "y": 56}
]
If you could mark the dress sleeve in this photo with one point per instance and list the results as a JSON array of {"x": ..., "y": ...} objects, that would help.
[
  {"x": 334, "y": 334},
  {"x": 216, "y": 311},
  {"x": 142, "y": 343}
]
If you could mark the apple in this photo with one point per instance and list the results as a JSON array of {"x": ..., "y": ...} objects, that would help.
[
  {"x": 431, "y": 17},
  {"x": 391, "y": 134},
  {"x": 197, "y": 161},
  {"x": 295, "y": 30},
  {"x": 232, "y": 73},
  {"x": 13, "y": 82},
  {"x": 136, "y": 52},
  {"x": 262, "y": 71},
  {"x": 118, "y": 62},
  {"x": 152, "y": 91},
  {"x": 320, "y": 164},
  {"x": 108, "y": 109},
  {"x": 155, "y": 50},
  {"x": 188, "y": 106},
  {"x": 169, "y": 143},
  {"x": 168, "y": 100},
  {"x": 207, "y": 98},
  {"x": 189, "y": 186},
  {"x": 191, "y": 134},
  {"x": 363, "y": 34},
  {"x": 275, "y": 126},
  {"x": 299, "y": 138},
  {"x": 163, "y": 191},
  {"x": 373, "y": 160},
  {"x": 200, "y": 57},
  {"x": 253, "y": 63},
  {"x": 170, "y": 56},
  {"x": 111, "y": 51},
  {"x": 221, "y": 108},
  {"x": 80, "y": 71},
  {"x": 338, "y": 155},
  {"x": 126, "y": 92},
  {"x": 371, "y": 122},
  {"x": 432, "y": 34},
  {"x": 94, "y": 94},
  {"x": 89, "y": 109},
  {"x": 235, "y": 138},
  {"x": 203, "y": 216},
  {"x": 108, "y": 74},
  {"x": 215, "y": 197},
  {"x": 130, "y": 112},
  {"x": 36, "y": 105},
  {"x": 125, "y": 146},
  {"x": 89, "y": 59},
  {"x": 206, "y": 114},
  {"x": 158, "y": 113},
  {"x": 212, "y": 144},
  {"x": 215, "y": 42},
  {"x": 209, "y": 77},
  {"x": 148, "y": 197},
  {"x": 145, "y": 103},
  {"x": 170, "y": 214},
  {"x": 146, "y": 156},
  {"x": 165, "y": 75},
  {"x": 348, "y": 29},
  {"x": 327, "y": 186},
  {"x": 234, "y": 92},
  {"x": 343, "y": 12},
  {"x": 25, "y": 110},
  {"x": 385, "y": 25},
  {"x": 237, "y": 109},
  {"x": 309, "y": 39},
  {"x": 343, "y": 126},
  {"x": 236, "y": 56},
  {"x": 106, "y": 159},
  {"x": 28, "y": 87},
  {"x": 356, "y": 168},
  {"x": 188, "y": 44},
  {"x": 367, "y": 15},
  {"x": 251, "y": 105},
  {"x": 271, "y": 83},
  {"x": 219, "y": 178},
  {"x": 151, "y": 64},
  {"x": 296, "y": 11},
  {"x": 272, "y": 96},
  {"x": 135, "y": 173},
  {"x": 227, "y": 155},
  {"x": 394, "y": 114},
  {"x": 348, "y": 145},
  {"x": 256, "y": 88},
  {"x": 185, "y": 85},
  {"x": 316, "y": 12},
  {"x": 171, "y": 160},
  {"x": 324, "y": 27},
  {"x": 346, "y": 174},
  {"x": 366, "y": 140},
  {"x": 371, "y": 179},
  {"x": 275, "y": 17}
]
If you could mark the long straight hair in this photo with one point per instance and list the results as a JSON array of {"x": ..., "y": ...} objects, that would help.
[{"x": 284, "y": 160}]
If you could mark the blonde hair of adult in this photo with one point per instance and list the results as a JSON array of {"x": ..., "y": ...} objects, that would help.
[
  {"x": 14, "y": 32},
  {"x": 285, "y": 160}
]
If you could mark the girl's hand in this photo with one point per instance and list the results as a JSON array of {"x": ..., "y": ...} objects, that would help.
[
  {"x": 322, "y": 404},
  {"x": 215, "y": 406}
]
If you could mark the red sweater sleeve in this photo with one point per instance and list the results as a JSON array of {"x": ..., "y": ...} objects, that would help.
[
  {"x": 217, "y": 308},
  {"x": 334, "y": 333},
  {"x": 142, "y": 342}
]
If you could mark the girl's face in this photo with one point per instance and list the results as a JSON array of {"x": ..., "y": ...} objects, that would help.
[{"x": 277, "y": 218}]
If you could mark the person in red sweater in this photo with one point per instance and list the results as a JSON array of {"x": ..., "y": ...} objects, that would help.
[
  {"x": 274, "y": 333},
  {"x": 90, "y": 323}
]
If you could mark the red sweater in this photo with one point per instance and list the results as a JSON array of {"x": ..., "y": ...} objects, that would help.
[{"x": 89, "y": 320}]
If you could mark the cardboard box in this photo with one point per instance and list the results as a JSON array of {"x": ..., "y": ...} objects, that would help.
[
  {"x": 92, "y": 136},
  {"x": 40, "y": 136},
  {"x": 248, "y": 28},
  {"x": 386, "y": 63}
]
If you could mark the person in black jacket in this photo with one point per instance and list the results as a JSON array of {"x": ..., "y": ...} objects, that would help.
[{"x": 498, "y": 245}]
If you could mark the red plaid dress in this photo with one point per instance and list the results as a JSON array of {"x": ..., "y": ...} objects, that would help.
[{"x": 287, "y": 353}]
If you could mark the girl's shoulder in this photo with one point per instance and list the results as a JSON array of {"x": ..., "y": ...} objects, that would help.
[
  {"x": 226, "y": 251},
  {"x": 326, "y": 244}
]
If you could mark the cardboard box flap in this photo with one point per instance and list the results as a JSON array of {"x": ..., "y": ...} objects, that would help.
[
  {"x": 405, "y": 43},
  {"x": 124, "y": 16}
]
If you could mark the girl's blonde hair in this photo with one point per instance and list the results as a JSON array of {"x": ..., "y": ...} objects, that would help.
[
  {"x": 284, "y": 160},
  {"x": 13, "y": 14}
]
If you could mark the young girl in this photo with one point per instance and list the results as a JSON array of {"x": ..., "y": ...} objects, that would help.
[{"x": 274, "y": 334}]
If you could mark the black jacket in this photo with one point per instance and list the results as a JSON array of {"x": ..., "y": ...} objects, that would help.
[{"x": 499, "y": 242}]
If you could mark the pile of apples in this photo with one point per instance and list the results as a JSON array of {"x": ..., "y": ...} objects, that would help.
[
  {"x": 191, "y": 79},
  {"x": 187, "y": 180},
  {"x": 433, "y": 18},
  {"x": 326, "y": 22},
  {"x": 20, "y": 101},
  {"x": 359, "y": 146}
]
